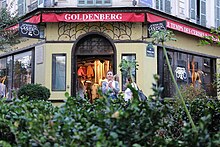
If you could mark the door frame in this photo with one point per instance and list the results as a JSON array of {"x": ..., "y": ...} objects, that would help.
[{"x": 74, "y": 58}]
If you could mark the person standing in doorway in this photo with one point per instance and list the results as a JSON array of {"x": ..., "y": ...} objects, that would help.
[
  {"x": 110, "y": 86},
  {"x": 80, "y": 87}
]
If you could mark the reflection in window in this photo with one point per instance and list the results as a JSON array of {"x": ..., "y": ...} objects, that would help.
[
  {"x": 9, "y": 76},
  {"x": 22, "y": 69},
  {"x": 59, "y": 72},
  {"x": 128, "y": 57},
  {"x": 2, "y": 77},
  {"x": 189, "y": 70}
]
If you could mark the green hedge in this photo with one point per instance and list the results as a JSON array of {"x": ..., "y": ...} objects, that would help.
[
  {"x": 108, "y": 123},
  {"x": 34, "y": 92}
]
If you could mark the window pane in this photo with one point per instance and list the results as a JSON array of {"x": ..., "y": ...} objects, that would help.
[
  {"x": 98, "y": 1},
  {"x": 192, "y": 9},
  {"x": 157, "y": 4},
  {"x": 22, "y": 70},
  {"x": 218, "y": 13},
  {"x": 107, "y": 1},
  {"x": 167, "y": 6},
  {"x": 89, "y": 2},
  {"x": 3, "y": 77},
  {"x": 218, "y": 2},
  {"x": 59, "y": 72},
  {"x": 161, "y": 5},
  {"x": 9, "y": 76},
  {"x": 81, "y": 1},
  {"x": 128, "y": 57},
  {"x": 189, "y": 71}
]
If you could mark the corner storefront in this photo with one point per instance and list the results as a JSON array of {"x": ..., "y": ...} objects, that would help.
[{"x": 88, "y": 43}]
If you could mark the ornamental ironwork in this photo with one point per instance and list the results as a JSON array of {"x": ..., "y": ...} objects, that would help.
[
  {"x": 94, "y": 45},
  {"x": 116, "y": 30}
]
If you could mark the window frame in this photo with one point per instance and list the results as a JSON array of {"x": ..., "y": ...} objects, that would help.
[
  {"x": 123, "y": 81},
  {"x": 94, "y": 3},
  {"x": 217, "y": 20},
  {"x": 54, "y": 74},
  {"x": 163, "y": 7}
]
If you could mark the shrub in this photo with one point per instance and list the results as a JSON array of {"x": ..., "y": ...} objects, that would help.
[
  {"x": 191, "y": 93},
  {"x": 34, "y": 92}
]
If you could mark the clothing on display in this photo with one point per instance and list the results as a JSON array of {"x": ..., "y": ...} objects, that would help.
[{"x": 93, "y": 73}]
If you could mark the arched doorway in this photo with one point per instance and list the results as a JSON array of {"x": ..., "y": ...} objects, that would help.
[{"x": 93, "y": 55}]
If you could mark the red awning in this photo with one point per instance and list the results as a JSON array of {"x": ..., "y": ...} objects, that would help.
[
  {"x": 33, "y": 19},
  {"x": 93, "y": 17},
  {"x": 85, "y": 17},
  {"x": 174, "y": 25}
]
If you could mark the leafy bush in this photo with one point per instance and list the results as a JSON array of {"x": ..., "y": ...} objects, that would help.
[
  {"x": 190, "y": 93},
  {"x": 109, "y": 123},
  {"x": 34, "y": 92}
]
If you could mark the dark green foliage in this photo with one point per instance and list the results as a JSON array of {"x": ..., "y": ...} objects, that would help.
[
  {"x": 34, "y": 92},
  {"x": 107, "y": 122}
]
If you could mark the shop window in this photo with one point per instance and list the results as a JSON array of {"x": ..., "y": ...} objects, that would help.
[
  {"x": 94, "y": 2},
  {"x": 22, "y": 69},
  {"x": 59, "y": 72},
  {"x": 2, "y": 77},
  {"x": 189, "y": 70},
  {"x": 163, "y": 5},
  {"x": 9, "y": 86},
  {"x": 128, "y": 57}
]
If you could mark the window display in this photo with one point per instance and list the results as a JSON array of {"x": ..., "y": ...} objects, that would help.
[
  {"x": 192, "y": 70},
  {"x": 22, "y": 69},
  {"x": 91, "y": 72}
]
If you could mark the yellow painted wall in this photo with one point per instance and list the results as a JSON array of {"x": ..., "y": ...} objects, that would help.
[
  {"x": 191, "y": 43},
  {"x": 71, "y": 31},
  {"x": 57, "y": 48},
  {"x": 147, "y": 65}
]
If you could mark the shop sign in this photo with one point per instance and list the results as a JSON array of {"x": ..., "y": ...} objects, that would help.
[
  {"x": 150, "y": 50},
  {"x": 156, "y": 26},
  {"x": 29, "y": 30},
  {"x": 93, "y": 17},
  {"x": 181, "y": 73},
  {"x": 174, "y": 25}
]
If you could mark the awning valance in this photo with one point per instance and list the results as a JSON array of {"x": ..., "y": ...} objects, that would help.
[
  {"x": 93, "y": 17},
  {"x": 174, "y": 25}
]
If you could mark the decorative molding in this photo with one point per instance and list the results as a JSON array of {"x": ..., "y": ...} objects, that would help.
[{"x": 115, "y": 30}]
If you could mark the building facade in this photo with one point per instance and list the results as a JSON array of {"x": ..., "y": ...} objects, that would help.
[{"x": 88, "y": 41}]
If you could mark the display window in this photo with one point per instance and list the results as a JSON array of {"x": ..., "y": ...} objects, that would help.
[
  {"x": 22, "y": 69},
  {"x": 3, "y": 77},
  {"x": 91, "y": 72},
  {"x": 189, "y": 70},
  {"x": 15, "y": 71}
]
